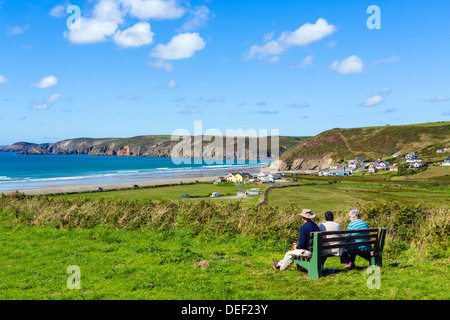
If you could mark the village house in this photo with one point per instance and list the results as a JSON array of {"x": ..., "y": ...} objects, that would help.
[
  {"x": 393, "y": 168},
  {"x": 324, "y": 172},
  {"x": 416, "y": 165},
  {"x": 352, "y": 164},
  {"x": 373, "y": 169},
  {"x": 446, "y": 162},
  {"x": 342, "y": 173},
  {"x": 269, "y": 177},
  {"x": 397, "y": 154},
  {"x": 413, "y": 159},
  {"x": 382, "y": 165},
  {"x": 239, "y": 177},
  {"x": 411, "y": 155}
]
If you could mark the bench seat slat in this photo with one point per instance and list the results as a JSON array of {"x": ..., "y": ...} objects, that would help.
[
  {"x": 348, "y": 244},
  {"x": 326, "y": 233}
]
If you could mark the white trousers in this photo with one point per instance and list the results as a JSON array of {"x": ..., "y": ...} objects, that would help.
[{"x": 290, "y": 256}]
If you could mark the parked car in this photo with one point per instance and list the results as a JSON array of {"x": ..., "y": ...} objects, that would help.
[{"x": 215, "y": 195}]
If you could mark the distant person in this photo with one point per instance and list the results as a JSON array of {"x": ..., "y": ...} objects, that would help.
[
  {"x": 356, "y": 223},
  {"x": 330, "y": 225},
  {"x": 303, "y": 246}
]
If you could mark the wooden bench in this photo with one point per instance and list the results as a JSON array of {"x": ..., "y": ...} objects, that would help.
[{"x": 374, "y": 237}]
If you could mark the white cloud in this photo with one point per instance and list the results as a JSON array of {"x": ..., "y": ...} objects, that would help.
[
  {"x": 388, "y": 60},
  {"x": 161, "y": 64},
  {"x": 40, "y": 107},
  {"x": 47, "y": 102},
  {"x": 352, "y": 64},
  {"x": 53, "y": 98},
  {"x": 105, "y": 20},
  {"x": 299, "y": 105},
  {"x": 154, "y": 9},
  {"x": 307, "y": 61},
  {"x": 3, "y": 79},
  {"x": 267, "y": 51},
  {"x": 440, "y": 98},
  {"x": 181, "y": 46},
  {"x": 190, "y": 110},
  {"x": 16, "y": 30},
  {"x": 58, "y": 11},
  {"x": 46, "y": 82},
  {"x": 216, "y": 100},
  {"x": 129, "y": 97},
  {"x": 170, "y": 85},
  {"x": 136, "y": 36},
  {"x": 307, "y": 33},
  {"x": 373, "y": 101},
  {"x": 386, "y": 90},
  {"x": 197, "y": 18},
  {"x": 304, "y": 35}
]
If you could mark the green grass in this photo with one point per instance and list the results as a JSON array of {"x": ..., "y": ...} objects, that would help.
[
  {"x": 119, "y": 264},
  {"x": 347, "y": 195},
  {"x": 129, "y": 246},
  {"x": 160, "y": 193}
]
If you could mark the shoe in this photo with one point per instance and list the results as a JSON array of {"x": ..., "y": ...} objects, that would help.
[
  {"x": 350, "y": 266},
  {"x": 275, "y": 264}
]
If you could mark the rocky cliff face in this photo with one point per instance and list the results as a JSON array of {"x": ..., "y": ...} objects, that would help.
[
  {"x": 303, "y": 164},
  {"x": 144, "y": 146}
]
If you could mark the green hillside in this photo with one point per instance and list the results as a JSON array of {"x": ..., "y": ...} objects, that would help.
[{"x": 375, "y": 142}]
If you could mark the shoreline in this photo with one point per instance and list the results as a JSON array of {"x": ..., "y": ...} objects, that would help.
[
  {"x": 74, "y": 188},
  {"x": 89, "y": 188}
]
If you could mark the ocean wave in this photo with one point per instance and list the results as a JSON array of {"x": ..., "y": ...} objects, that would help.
[{"x": 151, "y": 173}]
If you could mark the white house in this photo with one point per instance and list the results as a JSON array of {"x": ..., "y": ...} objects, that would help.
[
  {"x": 268, "y": 176},
  {"x": 416, "y": 165},
  {"x": 411, "y": 155},
  {"x": 413, "y": 159},
  {"x": 324, "y": 172},
  {"x": 373, "y": 169},
  {"x": 446, "y": 162},
  {"x": 393, "y": 168},
  {"x": 397, "y": 154},
  {"x": 352, "y": 164}
]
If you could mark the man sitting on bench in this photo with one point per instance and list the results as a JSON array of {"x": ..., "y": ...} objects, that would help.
[
  {"x": 303, "y": 247},
  {"x": 349, "y": 255}
]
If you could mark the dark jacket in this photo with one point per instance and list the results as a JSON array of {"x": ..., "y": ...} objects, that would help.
[{"x": 305, "y": 237}]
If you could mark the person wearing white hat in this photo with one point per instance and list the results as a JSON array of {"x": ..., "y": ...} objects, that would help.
[{"x": 303, "y": 245}]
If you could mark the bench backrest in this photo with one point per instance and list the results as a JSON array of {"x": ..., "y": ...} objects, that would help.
[{"x": 374, "y": 236}]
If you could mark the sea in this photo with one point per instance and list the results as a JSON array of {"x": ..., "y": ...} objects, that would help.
[{"x": 41, "y": 171}]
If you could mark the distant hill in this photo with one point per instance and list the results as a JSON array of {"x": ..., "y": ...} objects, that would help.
[
  {"x": 337, "y": 144},
  {"x": 141, "y": 146}
]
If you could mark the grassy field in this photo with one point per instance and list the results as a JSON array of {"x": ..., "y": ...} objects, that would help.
[
  {"x": 344, "y": 196},
  {"x": 118, "y": 264},
  {"x": 166, "y": 192},
  {"x": 151, "y": 244}
]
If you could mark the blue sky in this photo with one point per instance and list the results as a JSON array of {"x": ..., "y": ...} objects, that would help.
[{"x": 137, "y": 67}]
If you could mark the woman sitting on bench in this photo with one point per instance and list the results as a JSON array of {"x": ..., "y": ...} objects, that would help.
[{"x": 349, "y": 255}]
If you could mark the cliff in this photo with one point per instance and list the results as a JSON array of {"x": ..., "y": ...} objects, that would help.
[{"x": 141, "y": 146}]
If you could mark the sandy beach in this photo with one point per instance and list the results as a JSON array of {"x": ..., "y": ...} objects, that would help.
[{"x": 54, "y": 190}]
